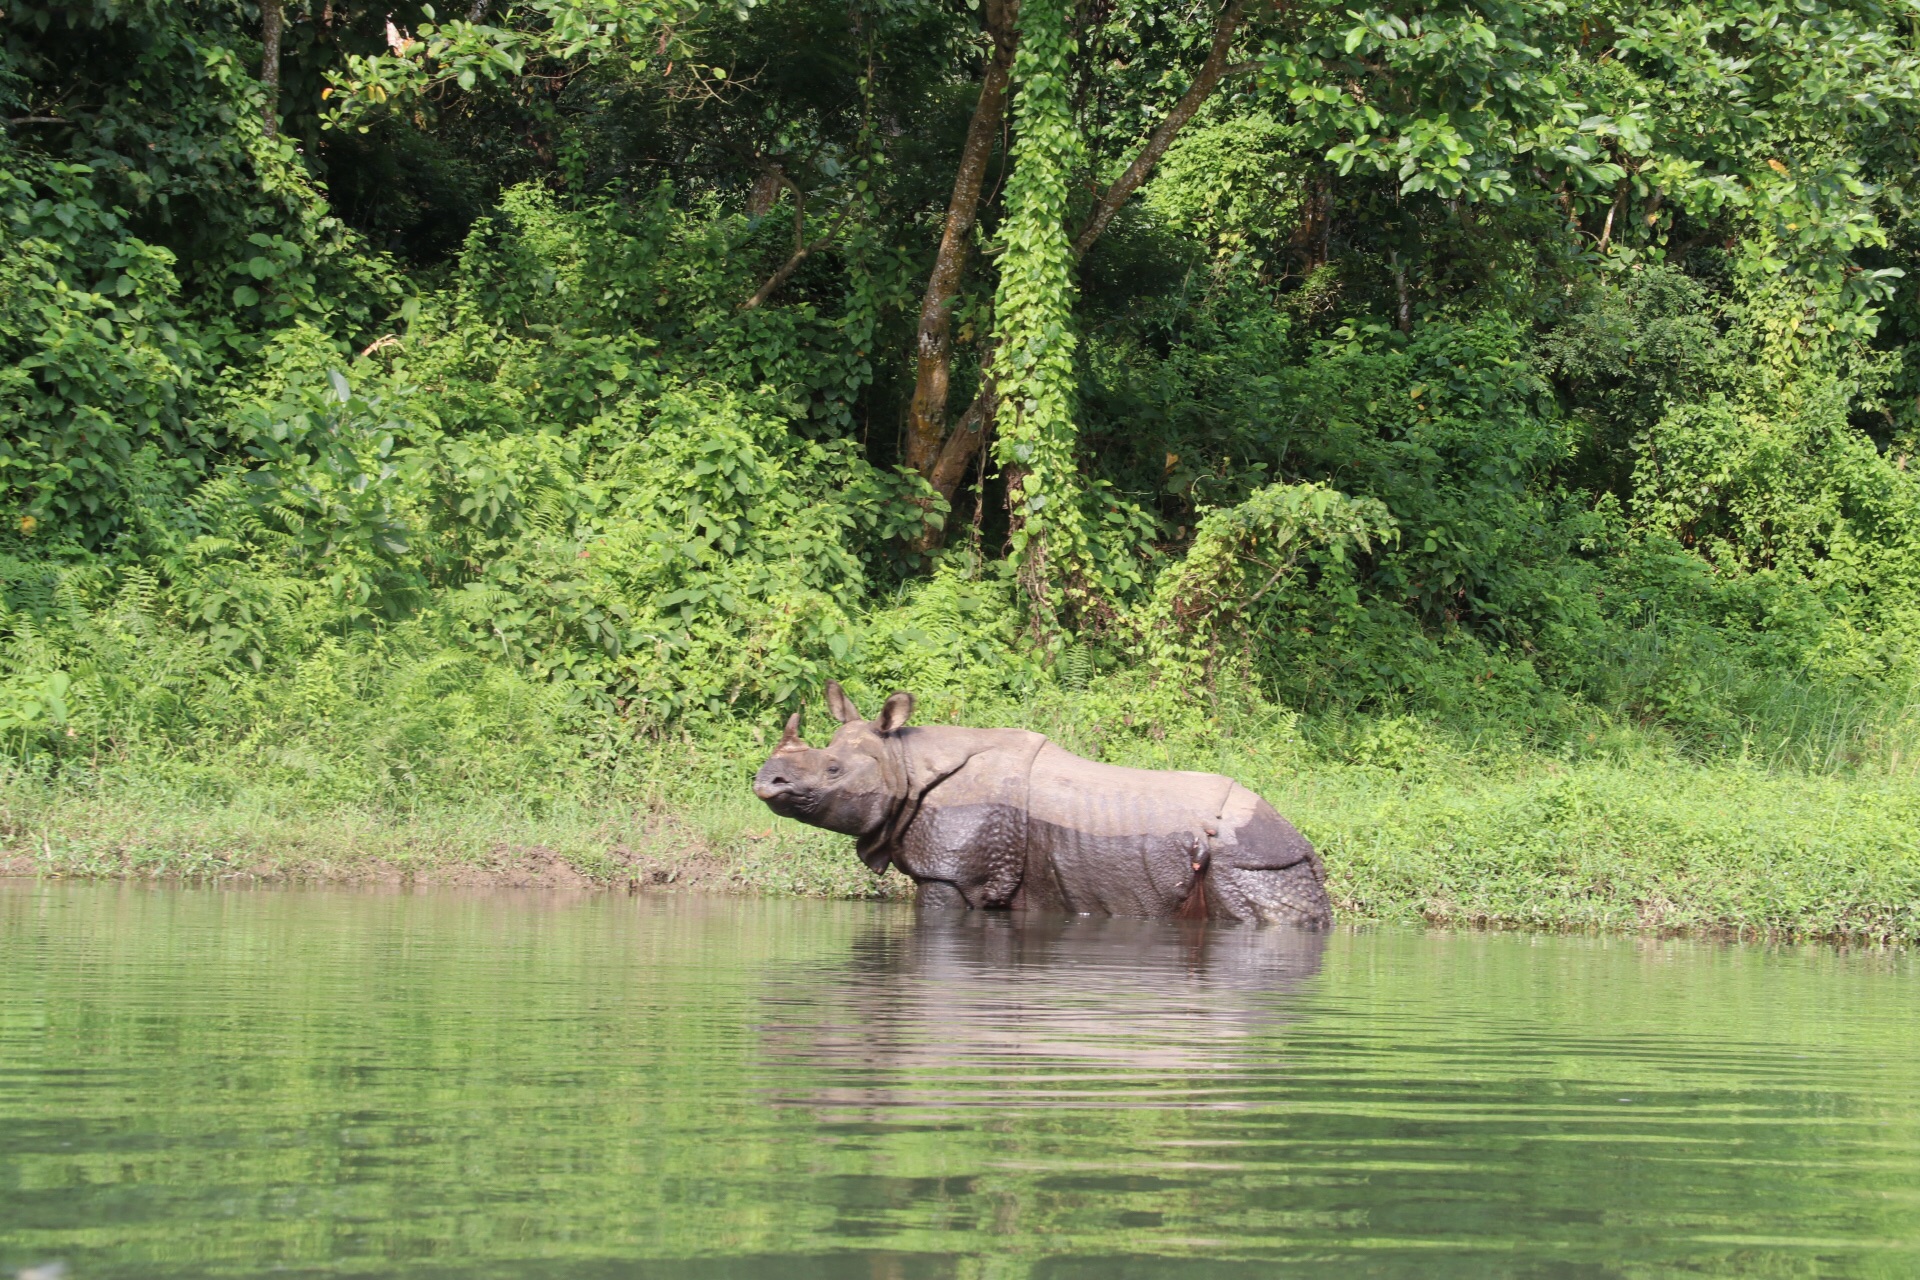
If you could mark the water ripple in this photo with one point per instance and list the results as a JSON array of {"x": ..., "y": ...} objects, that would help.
[{"x": 201, "y": 1083}]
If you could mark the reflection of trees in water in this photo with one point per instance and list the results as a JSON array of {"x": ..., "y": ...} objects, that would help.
[{"x": 977, "y": 1009}]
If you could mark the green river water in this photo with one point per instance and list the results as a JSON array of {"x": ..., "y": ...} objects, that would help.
[{"x": 199, "y": 1082}]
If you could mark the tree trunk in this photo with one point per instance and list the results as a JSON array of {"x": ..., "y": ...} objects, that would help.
[
  {"x": 1313, "y": 238},
  {"x": 927, "y": 416},
  {"x": 943, "y": 457},
  {"x": 271, "y": 19},
  {"x": 1405, "y": 310}
]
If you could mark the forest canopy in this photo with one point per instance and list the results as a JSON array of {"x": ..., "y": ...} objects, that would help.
[{"x": 618, "y": 366}]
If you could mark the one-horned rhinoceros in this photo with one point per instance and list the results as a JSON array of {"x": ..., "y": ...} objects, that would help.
[{"x": 1005, "y": 818}]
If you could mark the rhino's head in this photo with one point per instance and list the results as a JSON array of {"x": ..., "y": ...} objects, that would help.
[{"x": 850, "y": 785}]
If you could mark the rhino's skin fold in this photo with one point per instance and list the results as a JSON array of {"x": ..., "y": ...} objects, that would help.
[{"x": 1005, "y": 818}]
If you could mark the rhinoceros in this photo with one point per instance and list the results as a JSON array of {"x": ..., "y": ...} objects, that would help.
[{"x": 985, "y": 818}]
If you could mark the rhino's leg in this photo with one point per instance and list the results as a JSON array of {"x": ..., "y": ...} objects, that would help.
[
  {"x": 974, "y": 852},
  {"x": 1269, "y": 872},
  {"x": 938, "y": 893},
  {"x": 1291, "y": 895}
]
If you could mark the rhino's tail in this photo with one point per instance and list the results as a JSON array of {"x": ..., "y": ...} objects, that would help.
[
  {"x": 1200, "y": 857},
  {"x": 1194, "y": 906}
]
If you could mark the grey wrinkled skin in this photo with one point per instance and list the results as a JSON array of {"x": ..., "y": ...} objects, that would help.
[{"x": 984, "y": 818}]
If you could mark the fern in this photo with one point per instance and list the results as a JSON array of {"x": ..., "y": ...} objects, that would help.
[
  {"x": 27, "y": 587},
  {"x": 550, "y": 511},
  {"x": 139, "y": 598},
  {"x": 1075, "y": 668}
]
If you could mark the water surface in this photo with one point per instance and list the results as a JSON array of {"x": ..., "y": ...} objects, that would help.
[{"x": 198, "y": 1082}]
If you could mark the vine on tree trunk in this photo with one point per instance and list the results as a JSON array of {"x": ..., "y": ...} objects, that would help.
[{"x": 1034, "y": 311}]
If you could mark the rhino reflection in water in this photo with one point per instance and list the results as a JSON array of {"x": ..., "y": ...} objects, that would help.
[
  {"x": 1022, "y": 1011},
  {"x": 1005, "y": 818}
]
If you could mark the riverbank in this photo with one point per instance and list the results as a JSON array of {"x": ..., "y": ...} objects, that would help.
[{"x": 1410, "y": 831}]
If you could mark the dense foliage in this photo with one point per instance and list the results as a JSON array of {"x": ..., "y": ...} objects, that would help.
[{"x": 539, "y": 373}]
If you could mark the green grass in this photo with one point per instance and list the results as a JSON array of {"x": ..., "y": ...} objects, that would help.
[
  {"x": 121, "y": 824},
  {"x": 1599, "y": 846},
  {"x": 1414, "y": 826}
]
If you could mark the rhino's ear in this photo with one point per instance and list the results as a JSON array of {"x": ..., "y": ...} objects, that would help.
[
  {"x": 790, "y": 740},
  {"x": 840, "y": 704},
  {"x": 898, "y": 710}
]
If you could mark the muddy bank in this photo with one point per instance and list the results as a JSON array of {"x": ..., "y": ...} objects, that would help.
[{"x": 502, "y": 867}]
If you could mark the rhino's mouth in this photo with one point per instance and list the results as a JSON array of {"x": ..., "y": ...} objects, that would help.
[{"x": 783, "y": 799}]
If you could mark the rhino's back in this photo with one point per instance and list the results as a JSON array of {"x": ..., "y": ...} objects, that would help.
[{"x": 1110, "y": 840}]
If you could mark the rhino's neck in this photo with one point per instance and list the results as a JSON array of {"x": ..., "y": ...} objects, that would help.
[
  {"x": 920, "y": 758},
  {"x": 876, "y": 842}
]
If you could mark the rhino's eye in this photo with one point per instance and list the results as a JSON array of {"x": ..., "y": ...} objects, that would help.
[{"x": 832, "y": 769}]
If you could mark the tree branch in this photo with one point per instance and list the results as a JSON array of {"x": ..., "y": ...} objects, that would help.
[
  {"x": 963, "y": 444},
  {"x": 969, "y": 434},
  {"x": 780, "y": 277},
  {"x": 1204, "y": 82},
  {"x": 801, "y": 247},
  {"x": 1619, "y": 203},
  {"x": 784, "y": 274}
]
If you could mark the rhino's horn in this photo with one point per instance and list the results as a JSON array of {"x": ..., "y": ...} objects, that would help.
[{"x": 790, "y": 740}]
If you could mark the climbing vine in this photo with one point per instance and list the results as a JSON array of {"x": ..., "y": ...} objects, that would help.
[{"x": 1034, "y": 307}]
